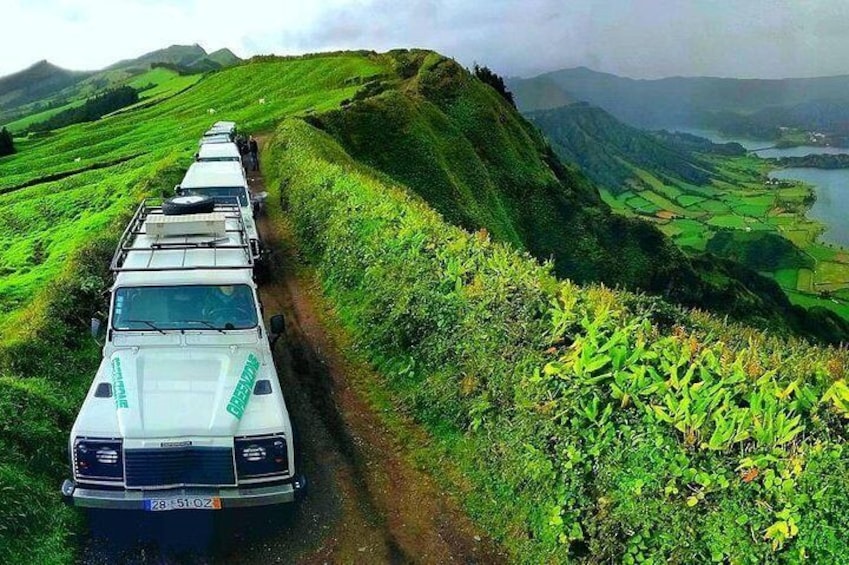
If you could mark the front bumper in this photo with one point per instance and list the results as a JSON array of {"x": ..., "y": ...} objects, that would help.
[{"x": 243, "y": 497}]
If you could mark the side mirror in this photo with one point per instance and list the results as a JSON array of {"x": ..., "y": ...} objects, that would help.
[
  {"x": 96, "y": 327},
  {"x": 259, "y": 198},
  {"x": 278, "y": 328},
  {"x": 278, "y": 324},
  {"x": 177, "y": 189}
]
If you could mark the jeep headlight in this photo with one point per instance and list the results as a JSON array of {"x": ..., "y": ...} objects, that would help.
[
  {"x": 98, "y": 459},
  {"x": 261, "y": 456}
]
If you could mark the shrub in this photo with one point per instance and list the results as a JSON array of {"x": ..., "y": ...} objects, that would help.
[{"x": 604, "y": 426}]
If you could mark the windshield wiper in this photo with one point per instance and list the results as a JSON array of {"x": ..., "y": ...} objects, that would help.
[
  {"x": 204, "y": 322},
  {"x": 148, "y": 323}
]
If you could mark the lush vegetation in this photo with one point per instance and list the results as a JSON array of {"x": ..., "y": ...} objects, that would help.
[
  {"x": 611, "y": 153},
  {"x": 7, "y": 144},
  {"x": 594, "y": 425},
  {"x": 496, "y": 82},
  {"x": 466, "y": 151},
  {"x": 92, "y": 109},
  {"x": 25, "y": 89},
  {"x": 709, "y": 197}
]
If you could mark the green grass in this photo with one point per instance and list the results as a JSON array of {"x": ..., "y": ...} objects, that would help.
[
  {"x": 688, "y": 200},
  {"x": 587, "y": 420},
  {"x": 729, "y": 221},
  {"x": 805, "y": 281},
  {"x": 787, "y": 278},
  {"x": 23, "y": 123}
]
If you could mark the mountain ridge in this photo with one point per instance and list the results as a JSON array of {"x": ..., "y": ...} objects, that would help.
[
  {"x": 680, "y": 101},
  {"x": 43, "y": 84}
]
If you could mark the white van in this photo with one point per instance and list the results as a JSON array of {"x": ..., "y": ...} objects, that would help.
[
  {"x": 225, "y": 182},
  {"x": 185, "y": 411},
  {"x": 215, "y": 138},
  {"x": 210, "y": 152},
  {"x": 222, "y": 128}
]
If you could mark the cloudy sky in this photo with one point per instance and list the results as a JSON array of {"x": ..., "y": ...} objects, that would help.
[{"x": 638, "y": 38}]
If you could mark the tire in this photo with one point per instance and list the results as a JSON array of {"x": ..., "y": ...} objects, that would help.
[{"x": 191, "y": 204}]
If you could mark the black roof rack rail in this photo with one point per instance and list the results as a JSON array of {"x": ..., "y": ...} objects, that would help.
[{"x": 136, "y": 227}]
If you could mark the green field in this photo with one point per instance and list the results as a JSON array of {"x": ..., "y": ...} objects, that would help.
[
  {"x": 738, "y": 200},
  {"x": 41, "y": 224}
]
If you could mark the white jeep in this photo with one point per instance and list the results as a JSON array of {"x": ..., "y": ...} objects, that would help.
[
  {"x": 185, "y": 411},
  {"x": 212, "y": 152},
  {"x": 225, "y": 181},
  {"x": 220, "y": 132}
]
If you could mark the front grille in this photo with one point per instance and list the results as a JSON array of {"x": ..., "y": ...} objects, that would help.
[{"x": 183, "y": 466}]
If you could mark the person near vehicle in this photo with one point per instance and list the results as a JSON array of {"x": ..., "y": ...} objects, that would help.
[{"x": 253, "y": 146}]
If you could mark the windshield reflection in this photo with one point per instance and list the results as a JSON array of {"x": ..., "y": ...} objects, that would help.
[{"x": 160, "y": 308}]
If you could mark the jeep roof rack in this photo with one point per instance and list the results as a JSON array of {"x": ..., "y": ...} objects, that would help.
[{"x": 139, "y": 250}]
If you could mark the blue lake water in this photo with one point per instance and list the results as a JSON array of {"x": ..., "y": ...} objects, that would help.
[
  {"x": 801, "y": 151},
  {"x": 832, "y": 205}
]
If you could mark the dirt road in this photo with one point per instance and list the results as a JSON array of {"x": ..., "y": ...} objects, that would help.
[{"x": 367, "y": 503}]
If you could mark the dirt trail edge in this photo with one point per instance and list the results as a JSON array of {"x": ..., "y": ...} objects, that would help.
[
  {"x": 367, "y": 502},
  {"x": 415, "y": 520}
]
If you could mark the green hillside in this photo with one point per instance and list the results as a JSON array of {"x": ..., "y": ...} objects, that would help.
[
  {"x": 594, "y": 426},
  {"x": 588, "y": 424},
  {"x": 613, "y": 154},
  {"x": 35, "y": 83},
  {"x": 475, "y": 160},
  {"x": 42, "y": 91},
  {"x": 706, "y": 197}
]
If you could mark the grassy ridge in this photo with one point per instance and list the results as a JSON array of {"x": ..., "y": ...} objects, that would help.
[
  {"x": 470, "y": 155},
  {"x": 596, "y": 425}
]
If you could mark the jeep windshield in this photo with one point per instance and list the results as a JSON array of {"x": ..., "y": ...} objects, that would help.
[
  {"x": 195, "y": 307},
  {"x": 228, "y": 159},
  {"x": 223, "y": 194}
]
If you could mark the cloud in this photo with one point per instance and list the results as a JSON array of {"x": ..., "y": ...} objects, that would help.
[{"x": 640, "y": 38}]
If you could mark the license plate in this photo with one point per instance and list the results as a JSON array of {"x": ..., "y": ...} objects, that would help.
[{"x": 182, "y": 503}]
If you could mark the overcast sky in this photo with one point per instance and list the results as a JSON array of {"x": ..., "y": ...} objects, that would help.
[{"x": 638, "y": 38}]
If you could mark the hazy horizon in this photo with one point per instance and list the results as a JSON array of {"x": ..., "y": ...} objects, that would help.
[{"x": 638, "y": 39}]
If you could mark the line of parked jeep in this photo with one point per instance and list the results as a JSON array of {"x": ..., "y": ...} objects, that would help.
[{"x": 186, "y": 410}]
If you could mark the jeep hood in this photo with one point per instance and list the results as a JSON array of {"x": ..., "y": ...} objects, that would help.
[{"x": 178, "y": 392}]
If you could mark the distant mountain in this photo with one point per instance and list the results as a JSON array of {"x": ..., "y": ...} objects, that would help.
[
  {"x": 612, "y": 153},
  {"x": 44, "y": 85},
  {"x": 189, "y": 57},
  {"x": 681, "y": 101},
  {"x": 224, "y": 57},
  {"x": 541, "y": 94},
  {"x": 36, "y": 82},
  {"x": 182, "y": 55}
]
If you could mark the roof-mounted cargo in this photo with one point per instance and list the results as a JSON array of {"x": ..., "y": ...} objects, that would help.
[{"x": 154, "y": 241}]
